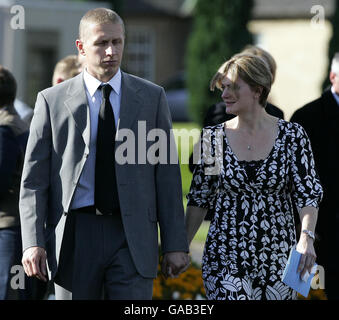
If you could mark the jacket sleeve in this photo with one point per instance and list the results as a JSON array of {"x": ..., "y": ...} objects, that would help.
[
  {"x": 168, "y": 187},
  {"x": 33, "y": 202}
]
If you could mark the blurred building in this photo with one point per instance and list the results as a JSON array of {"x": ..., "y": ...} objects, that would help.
[
  {"x": 157, "y": 33},
  {"x": 49, "y": 34},
  {"x": 297, "y": 34}
]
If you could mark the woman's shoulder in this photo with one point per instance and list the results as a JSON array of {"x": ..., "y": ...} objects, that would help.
[
  {"x": 290, "y": 126},
  {"x": 214, "y": 127},
  {"x": 292, "y": 129},
  {"x": 212, "y": 130}
]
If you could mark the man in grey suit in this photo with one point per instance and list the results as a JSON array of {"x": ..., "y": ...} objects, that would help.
[{"x": 92, "y": 216}]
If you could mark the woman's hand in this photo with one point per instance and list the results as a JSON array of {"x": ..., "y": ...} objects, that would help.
[{"x": 306, "y": 248}]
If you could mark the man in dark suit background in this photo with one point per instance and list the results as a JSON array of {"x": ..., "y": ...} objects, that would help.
[
  {"x": 320, "y": 118},
  {"x": 13, "y": 139},
  {"x": 94, "y": 218}
]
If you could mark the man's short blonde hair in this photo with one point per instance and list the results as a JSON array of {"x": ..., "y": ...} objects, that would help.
[
  {"x": 66, "y": 68},
  {"x": 99, "y": 16},
  {"x": 252, "y": 69}
]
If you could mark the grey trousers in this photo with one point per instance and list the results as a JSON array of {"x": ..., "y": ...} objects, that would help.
[{"x": 102, "y": 264}]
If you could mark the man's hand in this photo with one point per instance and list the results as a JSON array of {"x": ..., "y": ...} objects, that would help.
[
  {"x": 34, "y": 263},
  {"x": 174, "y": 263}
]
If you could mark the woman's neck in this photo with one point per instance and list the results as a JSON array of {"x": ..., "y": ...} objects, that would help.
[{"x": 252, "y": 122}]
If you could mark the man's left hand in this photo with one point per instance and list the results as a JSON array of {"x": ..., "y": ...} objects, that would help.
[{"x": 175, "y": 263}]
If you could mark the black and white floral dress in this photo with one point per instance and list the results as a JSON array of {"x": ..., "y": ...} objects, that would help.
[{"x": 253, "y": 229}]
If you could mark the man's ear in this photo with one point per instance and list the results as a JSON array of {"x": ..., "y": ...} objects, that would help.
[
  {"x": 80, "y": 46},
  {"x": 332, "y": 76}
]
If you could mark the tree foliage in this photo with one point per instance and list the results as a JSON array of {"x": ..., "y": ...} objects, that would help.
[{"x": 219, "y": 31}]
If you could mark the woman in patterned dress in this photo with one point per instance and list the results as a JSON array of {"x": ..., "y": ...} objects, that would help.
[{"x": 252, "y": 168}]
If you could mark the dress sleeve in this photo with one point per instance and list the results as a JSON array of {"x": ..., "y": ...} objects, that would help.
[
  {"x": 306, "y": 190},
  {"x": 206, "y": 175}
]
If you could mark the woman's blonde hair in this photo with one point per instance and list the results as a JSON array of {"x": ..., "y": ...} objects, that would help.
[
  {"x": 257, "y": 51},
  {"x": 252, "y": 69}
]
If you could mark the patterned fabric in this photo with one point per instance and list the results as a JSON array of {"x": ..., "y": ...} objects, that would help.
[{"x": 253, "y": 228}]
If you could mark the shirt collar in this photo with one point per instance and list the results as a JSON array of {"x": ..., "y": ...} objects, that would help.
[
  {"x": 335, "y": 95},
  {"x": 92, "y": 83}
]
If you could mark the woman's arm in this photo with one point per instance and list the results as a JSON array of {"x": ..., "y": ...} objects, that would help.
[{"x": 194, "y": 218}]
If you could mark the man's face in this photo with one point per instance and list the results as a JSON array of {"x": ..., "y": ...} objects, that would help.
[{"x": 102, "y": 46}]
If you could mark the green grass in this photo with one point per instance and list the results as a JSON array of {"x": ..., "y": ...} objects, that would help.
[
  {"x": 202, "y": 232},
  {"x": 185, "y": 129},
  {"x": 184, "y": 151}
]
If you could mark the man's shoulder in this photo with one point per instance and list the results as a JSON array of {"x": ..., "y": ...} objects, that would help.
[
  {"x": 314, "y": 106},
  {"x": 140, "y": 82},
  {"x": 62, "y": 87}
]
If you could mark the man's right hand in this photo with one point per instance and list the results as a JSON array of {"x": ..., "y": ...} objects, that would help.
[{"x": 34, "y": 262}]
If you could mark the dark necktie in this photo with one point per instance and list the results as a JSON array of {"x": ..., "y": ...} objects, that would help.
[{"x": 106, "y": 192}]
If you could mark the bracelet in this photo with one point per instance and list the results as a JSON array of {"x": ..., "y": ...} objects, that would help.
[{"x": 309, "y": 233}]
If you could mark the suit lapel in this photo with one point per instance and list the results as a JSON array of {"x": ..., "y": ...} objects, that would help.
[
  {"x": 78, "y": 107},
  {"x": 130, "y": 101}
]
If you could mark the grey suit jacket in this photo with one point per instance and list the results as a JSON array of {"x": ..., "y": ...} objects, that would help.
[{"x": 57, "y": 149}]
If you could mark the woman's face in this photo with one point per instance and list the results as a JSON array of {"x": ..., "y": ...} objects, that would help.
[{"x": 238, "y": 96}]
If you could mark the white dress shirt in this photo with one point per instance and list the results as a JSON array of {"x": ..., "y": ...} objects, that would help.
[{"x": 84, "y": 192}]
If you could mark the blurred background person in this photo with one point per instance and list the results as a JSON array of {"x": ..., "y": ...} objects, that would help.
[
  {"x": 320, "y": 118},
  {"x": 13, "y": 139},
  {"x": 24, "y": 111},
  {"x": 66, "y": 68}
]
